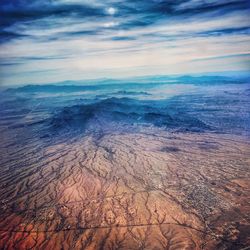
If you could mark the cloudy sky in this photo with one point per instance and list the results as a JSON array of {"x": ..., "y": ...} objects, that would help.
[{"x": 45, "y": 41}]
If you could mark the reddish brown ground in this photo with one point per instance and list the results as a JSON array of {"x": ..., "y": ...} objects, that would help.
[{"x": 127, "y": 191}]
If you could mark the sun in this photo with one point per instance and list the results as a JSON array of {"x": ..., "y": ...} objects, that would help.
[{"x": 111, "y": 11}]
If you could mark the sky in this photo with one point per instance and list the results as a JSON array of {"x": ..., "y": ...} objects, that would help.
[{"x": 43, "y": 41}]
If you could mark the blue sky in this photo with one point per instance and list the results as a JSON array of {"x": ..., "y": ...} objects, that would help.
[{"x": 45, "y": 41}]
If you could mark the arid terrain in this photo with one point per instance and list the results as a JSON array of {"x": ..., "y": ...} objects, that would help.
[{"x": 119, "y": 185}]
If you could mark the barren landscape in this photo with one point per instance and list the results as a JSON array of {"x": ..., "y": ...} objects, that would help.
[{"x": 101, "y": 174}]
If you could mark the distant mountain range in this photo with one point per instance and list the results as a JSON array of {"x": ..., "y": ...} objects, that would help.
[{"x": 102, "y": 84}]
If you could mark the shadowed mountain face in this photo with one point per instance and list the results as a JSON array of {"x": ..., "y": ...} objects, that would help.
[
  {"x": 126, "y": 111},
  {"x": 148, "y": 167}
]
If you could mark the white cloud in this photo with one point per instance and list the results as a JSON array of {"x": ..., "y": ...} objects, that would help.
[
  {"x": 110, "y": 24},
  {"x": 164, "y": 48}
]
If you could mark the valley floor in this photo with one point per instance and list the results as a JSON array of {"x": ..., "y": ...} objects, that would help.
[{"x": 144, "y": 190}]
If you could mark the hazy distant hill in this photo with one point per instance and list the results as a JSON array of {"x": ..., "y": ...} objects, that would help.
[{"x": 152, "y": 81}]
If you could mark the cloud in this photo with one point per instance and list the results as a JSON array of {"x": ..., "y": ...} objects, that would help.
[{"x": 89, "y": 37}]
